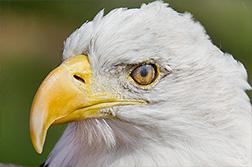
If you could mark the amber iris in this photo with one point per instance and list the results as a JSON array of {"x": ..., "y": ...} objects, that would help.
[{"x": 145, "y": 74}]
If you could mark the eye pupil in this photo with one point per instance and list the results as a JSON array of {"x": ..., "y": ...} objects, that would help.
[{"x": 144, "y": 72}]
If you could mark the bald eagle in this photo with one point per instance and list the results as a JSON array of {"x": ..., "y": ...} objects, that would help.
[{"x": 144, "y": 87}]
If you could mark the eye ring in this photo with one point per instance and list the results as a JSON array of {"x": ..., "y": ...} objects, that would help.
[{"x": 145, "y": 75}]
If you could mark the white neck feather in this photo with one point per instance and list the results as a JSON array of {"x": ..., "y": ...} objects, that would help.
[{"x": 116, "y": 143}]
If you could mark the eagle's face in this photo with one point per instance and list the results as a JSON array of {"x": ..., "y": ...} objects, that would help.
[{"x": 150, "y": 78}]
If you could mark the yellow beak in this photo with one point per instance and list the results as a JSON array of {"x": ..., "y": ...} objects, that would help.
[{"x": 67, "y": 95}]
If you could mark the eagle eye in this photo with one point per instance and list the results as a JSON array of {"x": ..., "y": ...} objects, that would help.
[{"x": 145, "y": 75}]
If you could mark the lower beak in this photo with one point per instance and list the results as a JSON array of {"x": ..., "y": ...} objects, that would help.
[{"x": 66, "y": 95}]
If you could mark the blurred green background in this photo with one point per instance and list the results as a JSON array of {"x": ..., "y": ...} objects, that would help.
[{"x": 32, "y": 35}]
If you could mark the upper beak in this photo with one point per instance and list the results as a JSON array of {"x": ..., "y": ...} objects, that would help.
[{"x": 67, "y": 94}]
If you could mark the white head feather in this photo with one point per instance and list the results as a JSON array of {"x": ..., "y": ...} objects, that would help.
[{"x": 198, "y": 112}]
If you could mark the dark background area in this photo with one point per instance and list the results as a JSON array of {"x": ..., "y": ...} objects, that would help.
[{"x": 31, "y": 42}]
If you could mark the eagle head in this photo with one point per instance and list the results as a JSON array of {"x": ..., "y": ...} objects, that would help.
[{"x": 144, "y": 87}]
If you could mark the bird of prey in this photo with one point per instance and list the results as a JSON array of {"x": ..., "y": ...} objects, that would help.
[{"x": 144, "y": 87}]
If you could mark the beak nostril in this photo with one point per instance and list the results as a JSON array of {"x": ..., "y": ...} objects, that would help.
[{"x": 79, "y": 78}]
